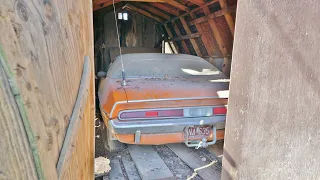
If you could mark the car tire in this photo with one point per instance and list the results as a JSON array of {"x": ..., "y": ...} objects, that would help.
[{"x": 110, "y": 144}]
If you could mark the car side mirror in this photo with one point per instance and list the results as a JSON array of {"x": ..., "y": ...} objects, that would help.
[{"x": 102, "y": 74}]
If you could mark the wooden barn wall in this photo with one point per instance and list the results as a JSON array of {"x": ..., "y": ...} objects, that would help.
[
  {"x": 42, "y": 49},
  {"x": 272, "y": 127},
  {"x": 138, "y": 32}
]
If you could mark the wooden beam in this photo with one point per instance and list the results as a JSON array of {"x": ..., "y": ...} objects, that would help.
[
  {"x": 166, "y": 8},
  {"x": 143, "y": 12},
  {"x": 184, "y": 44},
  {"x": 228, "y": 16},
  {"x": 153, "y": 10},
  {"x": 213, "y": 15},
  {"x": 147, "y": 1},
  {"x": 205, "y": 40},
  {"x": 217, "y": 34},
  {"x": 191, "y": 11},
  {"x": 192, "y": 40},
  {"x": 197, "y": 2},
  {"x": 99, "y": 4},
  {"x": 190, "y": 36},
  {"x": 177, "y": 5},
  {"x": 171, "y": 36}
]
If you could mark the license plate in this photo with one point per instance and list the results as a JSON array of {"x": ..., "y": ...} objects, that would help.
[{"x": 199, "y": 131}]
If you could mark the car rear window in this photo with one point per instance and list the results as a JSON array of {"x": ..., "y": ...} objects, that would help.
[{"x": 172, "y": 67}]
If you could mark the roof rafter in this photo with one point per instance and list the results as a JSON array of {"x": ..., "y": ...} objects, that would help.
[
  {"x": 193, "y": 41},
  {"x": 177, "y": 5},
  {"x": 223, "y": 5},
  {"x": 153, "y": 10},
  {"x": 183, "y": 43},
  {"x": 99, "y": 4},
  {"x": 143, "y": 12},
  {"x": 166, "y": 8}
]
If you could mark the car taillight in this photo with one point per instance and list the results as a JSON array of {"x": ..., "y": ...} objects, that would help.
[
  {"x": 152, "y": 114},
  {"x": 220, "y": 111}
]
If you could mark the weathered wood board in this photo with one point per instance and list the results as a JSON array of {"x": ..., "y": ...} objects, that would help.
[
  {"x": 272, "y": 129},
  {"x": 193, "y": 161},
  {"x": 149, "y": 163},
  {"x": 42, "y": 45}
]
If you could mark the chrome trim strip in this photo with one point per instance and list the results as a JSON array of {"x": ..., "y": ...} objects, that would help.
[
  {"x": 162, "y": 126},
  {"x": 166, "y": 99},
  {"x": 114, "y": 106},
  {"x": 176, "y": 99},
  {"x": 160, "y": 109}
]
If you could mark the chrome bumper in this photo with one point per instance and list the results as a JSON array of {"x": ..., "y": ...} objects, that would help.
[{"x": 163, "y": 125}]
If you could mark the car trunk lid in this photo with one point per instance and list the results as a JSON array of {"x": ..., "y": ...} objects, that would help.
[{"x": 176, "y": 88}]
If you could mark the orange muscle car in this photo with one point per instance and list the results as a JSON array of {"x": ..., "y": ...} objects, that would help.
[{"x": 162, "y": 98}]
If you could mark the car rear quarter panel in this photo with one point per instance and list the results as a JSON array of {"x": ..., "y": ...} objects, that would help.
[{"x": 110, "y": 92}]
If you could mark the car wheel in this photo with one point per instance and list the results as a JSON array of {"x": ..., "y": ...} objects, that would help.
[{"x": 110, "y": 144}]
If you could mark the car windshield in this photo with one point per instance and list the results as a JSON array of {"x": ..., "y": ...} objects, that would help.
[{"x": 160, "y": 66}]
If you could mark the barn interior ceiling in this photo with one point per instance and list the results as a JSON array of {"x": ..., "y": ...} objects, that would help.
[{"x": 200, "y": 27}]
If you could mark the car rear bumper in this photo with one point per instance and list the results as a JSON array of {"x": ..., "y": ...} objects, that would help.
[{"x": 163, "y": 126}]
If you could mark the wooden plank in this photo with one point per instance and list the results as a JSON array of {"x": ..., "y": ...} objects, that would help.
[
  {"x": 279, "y": 61},
  {"x": 153, "y": 10},
  {"x": 44, "y": 46},
  {"x": 228, "y": 16},
  {"x": 171, "y": 36},
  {"x": 193, "y": 160},
  {"x": 213, "y": 15},
  {"x": 116, "y": 171},
  {"x": 149, "y": 163},
  {"x": 166, "y": 8},
  {"x": 14, "y": 135},
  {"x": 177, "y": 5},
  {"x": 193, "y": 41},
  {"x": 76, "y": 117},
  {"x": 130, "y": 168},
  {"x": 143, "y": 12},
  {"x": 191, "y": 36},
  {"x": 184, "y": 44}
]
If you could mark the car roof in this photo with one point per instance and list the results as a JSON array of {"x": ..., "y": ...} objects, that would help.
[
  {"x": 163, "y": 59},
  {"x": 156, "y": 56}
]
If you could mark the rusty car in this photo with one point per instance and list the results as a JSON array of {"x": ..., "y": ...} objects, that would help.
[{"x": 154, "y": 98}]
